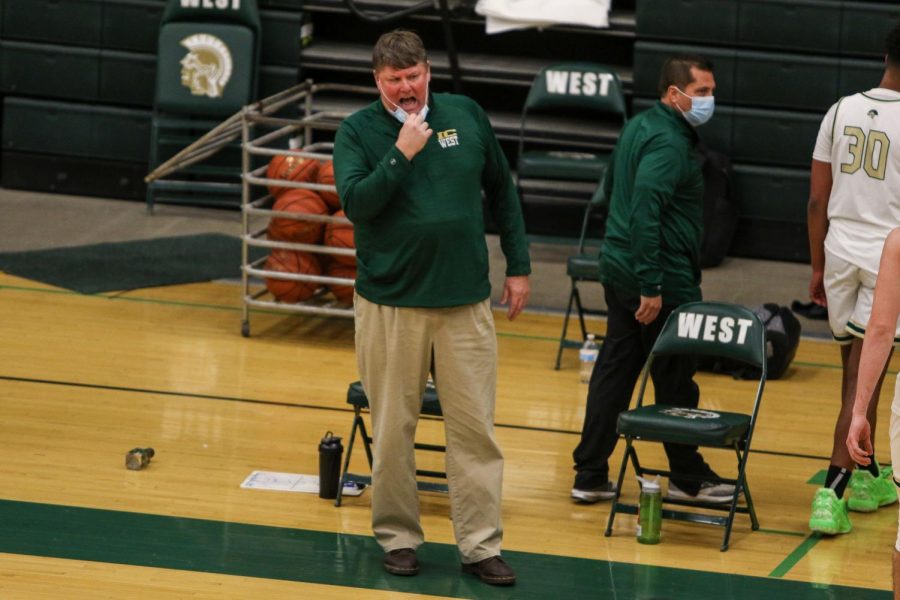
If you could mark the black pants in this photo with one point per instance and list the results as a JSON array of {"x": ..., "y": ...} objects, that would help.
[{"x": 622, "y": 356}]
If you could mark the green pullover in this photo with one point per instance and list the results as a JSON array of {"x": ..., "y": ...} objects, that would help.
[
  {"x": 419, "y": 225},
  {"x": 654, "y": 228}
]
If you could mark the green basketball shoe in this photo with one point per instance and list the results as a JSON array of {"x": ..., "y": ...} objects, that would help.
[
  {"x": 867, "y": 493},
  {"x": 829, "y": 513}
]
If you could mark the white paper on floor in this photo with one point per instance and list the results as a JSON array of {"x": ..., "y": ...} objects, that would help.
[{"x": 293, "y": 482}]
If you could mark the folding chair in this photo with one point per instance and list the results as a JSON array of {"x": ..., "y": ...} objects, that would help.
[
  {"x": 710, "y": 329},
  {"x": 207, "y": 70},
  {"x": 357, "y": 398},
  {"x": 584, "y": 266},
  {"x": 570, "y": 121}
]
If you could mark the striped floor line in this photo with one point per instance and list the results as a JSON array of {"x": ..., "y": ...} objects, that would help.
[{"x": 354, "y": 561}]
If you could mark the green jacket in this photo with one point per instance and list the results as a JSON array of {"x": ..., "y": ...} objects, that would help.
[
  {"x": 655, "y": 223},
  {"x": 419, "y": 225}
]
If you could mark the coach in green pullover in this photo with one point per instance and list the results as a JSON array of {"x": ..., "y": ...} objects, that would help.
[
  {"x": 649, "y": 264},
  {"x": 410, "y": 170}
]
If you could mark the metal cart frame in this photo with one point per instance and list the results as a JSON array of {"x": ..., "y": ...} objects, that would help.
[{"x": 260, "y": 128}]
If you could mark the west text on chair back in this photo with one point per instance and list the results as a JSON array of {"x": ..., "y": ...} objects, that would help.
[
  {"x": 568, "y": 90},
  {"x": 570, "y": 121},
  {"x": 714, "y": 329},
  {"x": 577, "y": 85}
]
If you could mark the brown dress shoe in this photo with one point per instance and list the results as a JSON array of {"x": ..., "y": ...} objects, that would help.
[
  {"x": 492, "y": 570},
  {"x": 401, "y": 562}
]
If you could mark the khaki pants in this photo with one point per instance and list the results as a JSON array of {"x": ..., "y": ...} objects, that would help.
[{"x": 394, "y": 348}]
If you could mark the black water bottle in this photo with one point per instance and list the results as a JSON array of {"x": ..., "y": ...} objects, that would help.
[{"x": 330, "y": 452}]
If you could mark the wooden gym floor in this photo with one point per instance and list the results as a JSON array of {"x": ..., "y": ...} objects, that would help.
[{"x": 83, "y": 379}]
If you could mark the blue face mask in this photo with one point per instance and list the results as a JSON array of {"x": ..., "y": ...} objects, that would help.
[
  {"x": 400, "y": 114},
  {"x": 702, "y": 109}
]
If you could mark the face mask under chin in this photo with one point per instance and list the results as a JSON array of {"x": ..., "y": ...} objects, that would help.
[{"x": 400, "y": 114}]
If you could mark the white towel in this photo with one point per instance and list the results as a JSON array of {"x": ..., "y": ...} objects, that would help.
[{"x": 507, "y": 15}]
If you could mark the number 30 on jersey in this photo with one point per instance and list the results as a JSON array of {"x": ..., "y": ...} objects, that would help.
[{"x": 869, "y": 152}]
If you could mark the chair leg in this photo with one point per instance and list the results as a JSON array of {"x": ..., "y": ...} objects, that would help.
[
  {"x": 729, "y": 521},
  {"x": 578, "y": 304},
  {"x": 367, "y": 446},
  {"x": 357, "y": 420},
  {"x": 741, "y": 485},
  {"x": 562, "y": 338},
  {"x": 153, "y": 162},
  {"x": 742, "y": 477},
  {"x": 619, "y": 481}
]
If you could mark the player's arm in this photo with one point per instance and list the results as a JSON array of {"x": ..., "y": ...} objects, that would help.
[
  {"x": 880, "y": 333},
  {"x": 817, "y": 224},
  {"x": 817, "y": 208}
]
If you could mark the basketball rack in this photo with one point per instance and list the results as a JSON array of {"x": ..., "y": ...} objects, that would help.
[
  {"x": 264, "y": 134},
  {"x": 284, "y": 124}
]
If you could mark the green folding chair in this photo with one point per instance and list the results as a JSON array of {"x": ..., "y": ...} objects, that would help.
[
  {"x": 566, "y": 90},
  {"x": 706, "y": 329},
  {"x": 570, "y": 121},
  {"x": 207, "y": 70},
  {"x": 584, "y": 266},
  {"x": 431, "y": 407}
]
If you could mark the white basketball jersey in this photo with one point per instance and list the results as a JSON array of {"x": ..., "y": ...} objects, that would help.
[{"x": 860, "y": 137}]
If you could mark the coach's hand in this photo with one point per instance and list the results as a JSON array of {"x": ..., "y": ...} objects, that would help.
[
  {"x": 648, "y": 310},
  {"x": 413, "y": 136},
  {"x": 516, "y": 290},
  {"x": 859, "y": 440}
]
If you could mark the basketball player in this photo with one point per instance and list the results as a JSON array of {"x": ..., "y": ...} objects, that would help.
[
  {"x": 875, "y": 353},
  {"x": 854, "y": 203}
]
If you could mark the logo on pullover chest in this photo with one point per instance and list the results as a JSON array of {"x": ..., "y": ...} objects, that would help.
[{"x": 448, "y": 138}]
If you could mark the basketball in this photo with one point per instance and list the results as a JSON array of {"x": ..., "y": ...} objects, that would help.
[
  {"x": 293, "y": 230},
  {"x": 292, "y": 168},
  {"x": 326, "y": 177},
  {"x": 290, "y": 261},
  {"x": 340, "y": 235},
  {"x": 344, "y": 293}
]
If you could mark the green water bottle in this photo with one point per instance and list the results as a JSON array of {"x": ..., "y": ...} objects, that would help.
[{"x": 649, "y": 511}]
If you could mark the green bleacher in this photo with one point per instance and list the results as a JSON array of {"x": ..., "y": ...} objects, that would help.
[
  {"x": 779, "y": 65},
  {"x": 78, "y": 86}
]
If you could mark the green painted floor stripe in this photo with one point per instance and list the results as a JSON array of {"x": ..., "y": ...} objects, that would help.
[
  {"x": 23, "y": 288},
  {"x": 354, "y": 561},
  {"x": 523, "y": 336},
  {"x": 794, "y": 557}
]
